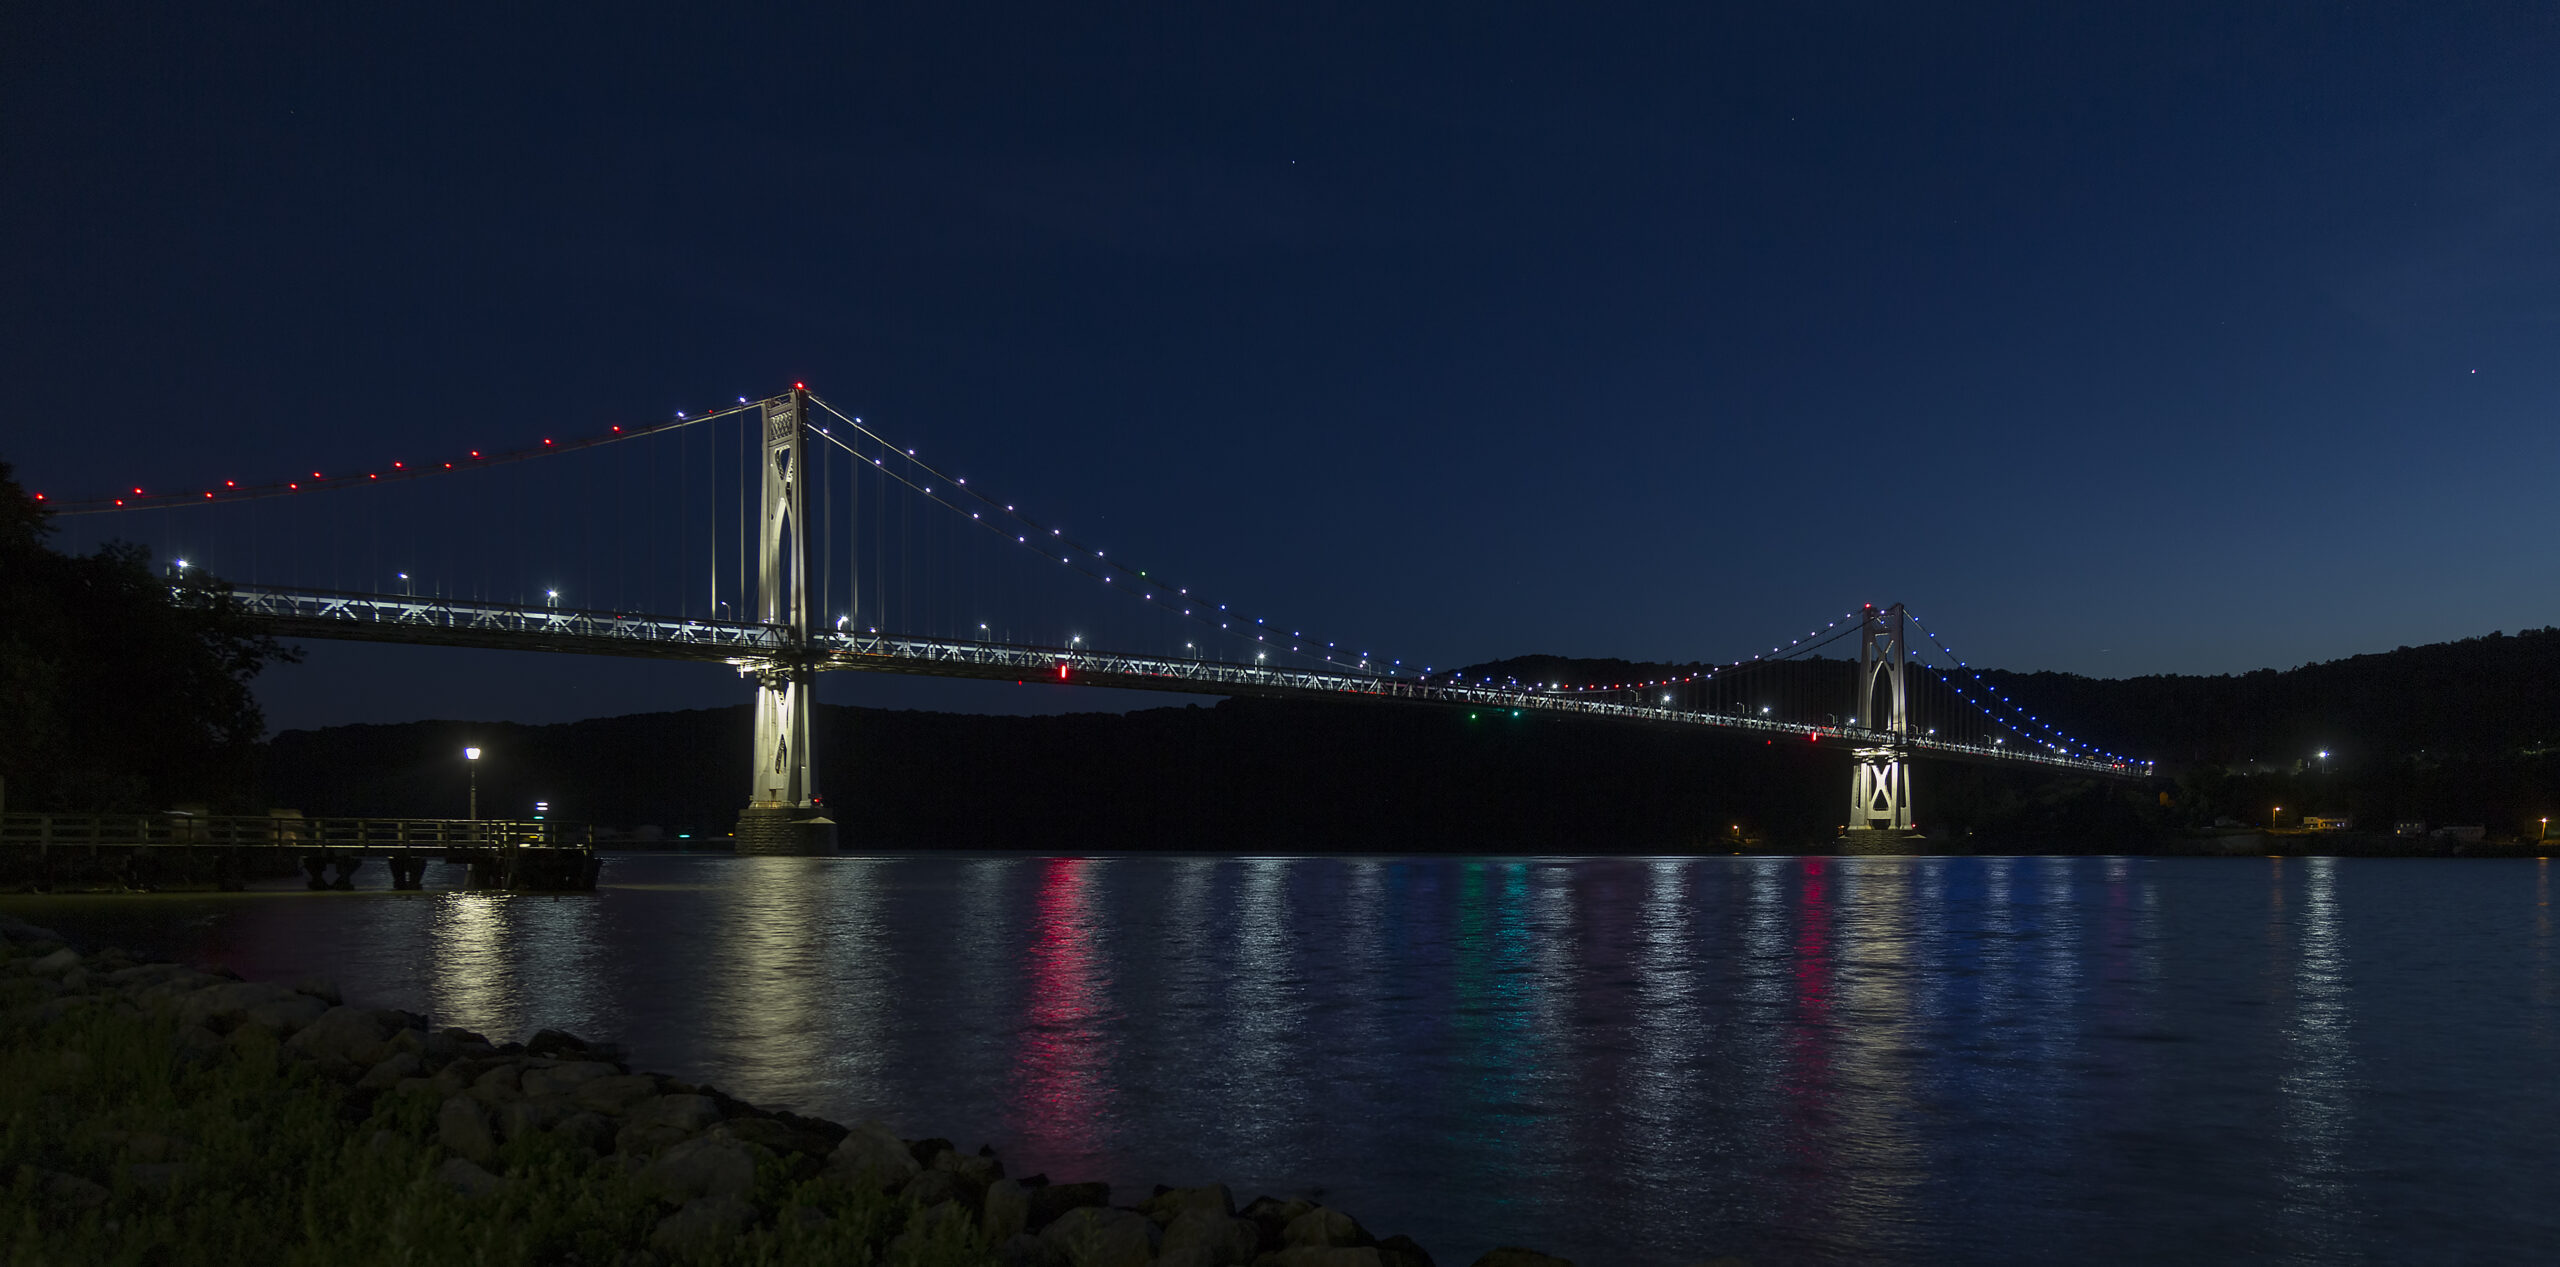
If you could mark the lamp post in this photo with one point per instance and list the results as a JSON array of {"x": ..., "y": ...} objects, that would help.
[
  {"x": 471, "y": 762},
  {"x": 2275, "y": 818}
]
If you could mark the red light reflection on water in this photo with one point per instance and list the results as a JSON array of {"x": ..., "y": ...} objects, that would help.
[
  {"x": 1061, "y": 1072},
  {"x": 1806, "y": 1083}
]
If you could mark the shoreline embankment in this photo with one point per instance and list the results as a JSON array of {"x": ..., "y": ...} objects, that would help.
[{"x": 157, "y": 1112}]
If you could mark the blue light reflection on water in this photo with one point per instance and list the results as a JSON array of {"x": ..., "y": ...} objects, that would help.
[{"x": 1625, "y": 1060}]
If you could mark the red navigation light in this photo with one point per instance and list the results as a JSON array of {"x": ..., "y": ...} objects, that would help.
[
  {"x": 208, "y": 497},
  {"x": 799, "y": 387},
  {"x": 315, "y": 475},
  {"x": 137, "y": 492},
  {"x": 1062, "y": 673},
  {"x": 399, "y": 466},
  {"x": 1813, "y": 738},
  {"x": 39, "y": 497},
  {"x": 371, "y": 476},
  {"x": 295, "y": 487},
  {"x": 617, "y": 431},
  {"x": 475, "y": 453},
  {"x": 546, "y": 440},
  {"x": 231, "y": 483},
  {"x": 119, "y": 501}
]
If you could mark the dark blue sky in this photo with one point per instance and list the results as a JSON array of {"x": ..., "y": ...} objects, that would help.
[{"x": 2113, "y": 339}]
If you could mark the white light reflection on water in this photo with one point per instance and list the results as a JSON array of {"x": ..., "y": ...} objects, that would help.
[
  {"x": 1639, "y": 1063},
  {"x": 2318, "y": 1079}
]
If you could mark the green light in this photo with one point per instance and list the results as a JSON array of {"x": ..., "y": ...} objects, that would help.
[{"x": 1515, "y": 712}]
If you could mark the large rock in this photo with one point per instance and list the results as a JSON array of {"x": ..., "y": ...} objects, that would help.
[
  {"x": 1050, "y": 1201},
  {"x": 1221, "y": 1240},
  {"x": 1401, "y": 1251},
  {"x": 219, "y": 1007},
  {"x": 1022, "y": 1249},
  {"x": 1273, "y": 1216},
  {"x": 1321, "y": 1256},
  {"x": 704, "y": 1166},
  {"x": 615, "y": 1093},
  {"x": 1004, "y": 1211},
  {"x": 1172, "y": 1203},
  {"x": 63, "y": 960},
  {"x": 345, "y": 1035},
  {"x": 462, "y": 1126},
  {"x": 702, "y": 1226},
  {"x": 593, "y": 1132},
  {"x": 1324, "y": 1228},
  {"x": 655, "y": 1123},
  {"x": 561, "y": 1080},
  {"x": 390, "y": 1072},
  {"x": 1514, "y": 1256},
  {"x": 1098, "y": 1236},
  {"x": 779, "y": 1138},
  {"x": 871, "y": 1156},
  {"x": 933, "y": 1187}
]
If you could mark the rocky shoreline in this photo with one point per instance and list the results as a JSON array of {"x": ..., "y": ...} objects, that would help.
[{"x": 391, "y": 1128}]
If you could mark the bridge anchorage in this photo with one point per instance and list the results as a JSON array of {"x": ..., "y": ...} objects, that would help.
[
  {"x": 783, "y": 815},
  {"x": 1880, "y": 779}
]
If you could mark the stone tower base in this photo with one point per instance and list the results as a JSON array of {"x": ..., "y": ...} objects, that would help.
[{"x": 780, "y": 831}]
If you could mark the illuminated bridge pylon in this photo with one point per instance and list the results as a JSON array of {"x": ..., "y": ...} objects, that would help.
[
  {"x": 782, "y": 814},
  {"x": 1880, "y": 776}
]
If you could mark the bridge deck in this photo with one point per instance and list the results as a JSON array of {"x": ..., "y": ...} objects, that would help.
[{"x": 296, "y": 613}]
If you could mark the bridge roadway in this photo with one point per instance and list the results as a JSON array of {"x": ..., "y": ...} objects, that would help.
[{"x": 331, "y": 614}]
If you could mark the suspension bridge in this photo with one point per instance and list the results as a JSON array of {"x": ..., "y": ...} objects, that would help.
[{"x": 788, "y": 538}]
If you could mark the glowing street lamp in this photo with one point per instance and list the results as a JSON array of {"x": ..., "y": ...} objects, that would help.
[{"x": 471, "y": 762}]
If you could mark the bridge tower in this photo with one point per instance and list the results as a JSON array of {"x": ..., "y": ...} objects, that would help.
[
  {"x": 1880, "y": 782},
  {"x": 782, "y": 816}
]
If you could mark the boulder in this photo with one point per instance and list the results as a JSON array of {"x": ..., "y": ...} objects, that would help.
[
  {"x": 1401, "y": 1251},
  {"x": 516, "y": 1118},
  {"x": 286, "y": 1015},
  {"x": 1050, "y": 1201},
  {"x": 776, "y": 1137},
  {"x": 222, "y": 1005},
  {"x": 933, "y": 1187},
  {"x": 1321, "y": 1256},
  {"x": 659, "y": 1121},
  {"x": 1004, "y": 1211},
  {"x": 351, "y": 1035},
  {"x": 704, "y": 1166},
  {"x": 388, "y": 1073},
  {"x": 1223, "y": 1240},
  {"x": 1273, "y": 1216},
  {"x": 562, "y": 1079},
  {"x": 925, "y": 1150},
  {"x": 62, "y": 960},
  {"x": 1172, "y": 1203},
  {"x": 466, "y": 1178},
  {"x": 1022, "y": 1249},
  {"x": 320, "y": 988},
  {"x": 702, "y": 1226},
  {"x": 593, "y": 1132},
  {"x": 979, "y": 1169},
  {"x": 1325, "y": 1227},
  {"x": 500, "y": 1082},
  {"x": 462, "y": 1126},
  {"x": 1514, "y": 1256},
  {"x": 871, "y": 1156},
  {"x": 1099, "y": 1236},
  {"x": 615, "y": 1093}
]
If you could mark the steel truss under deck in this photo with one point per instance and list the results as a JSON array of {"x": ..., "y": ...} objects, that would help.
[{"x": 304, "y": 613}]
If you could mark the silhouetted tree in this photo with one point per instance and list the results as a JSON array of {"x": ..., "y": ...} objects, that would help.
[{"x": 113, "y": 697}]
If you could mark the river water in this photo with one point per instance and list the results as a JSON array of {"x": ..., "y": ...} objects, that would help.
[{"x": 1624, "y": 1060}]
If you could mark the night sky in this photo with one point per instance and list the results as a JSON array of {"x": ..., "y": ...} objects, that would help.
[{"x": 2112, "y": 339}]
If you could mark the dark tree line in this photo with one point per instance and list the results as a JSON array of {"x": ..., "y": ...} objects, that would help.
[{"x": 111, "y": 696}]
